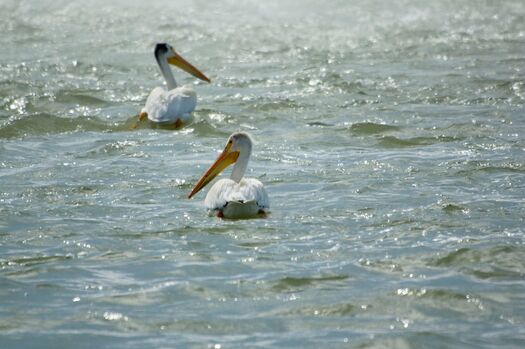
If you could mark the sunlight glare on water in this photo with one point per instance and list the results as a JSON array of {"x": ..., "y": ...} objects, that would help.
[{"x": 389, "y": 136}]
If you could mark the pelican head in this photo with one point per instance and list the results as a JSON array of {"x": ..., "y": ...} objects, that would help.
[
  {"x": 237, "y": 150},
  {"x": 165, "y": 53}
]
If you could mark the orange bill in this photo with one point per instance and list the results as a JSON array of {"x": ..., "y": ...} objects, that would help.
[
  {"x": 224, "y": 160},
  {"x": 183, "y": 64}
]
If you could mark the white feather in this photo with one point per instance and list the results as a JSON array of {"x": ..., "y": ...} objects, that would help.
[
  {"x": 164, "y": 106},
  {"x": 228, "y": 196}
]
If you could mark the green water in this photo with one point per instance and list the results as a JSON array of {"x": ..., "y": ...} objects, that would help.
[{"x": 389, "y": 136}]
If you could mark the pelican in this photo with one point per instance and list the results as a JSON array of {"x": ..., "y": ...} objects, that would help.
[
  {"x": 234, "y": 197},
  {"x": 174, "y": 105}
]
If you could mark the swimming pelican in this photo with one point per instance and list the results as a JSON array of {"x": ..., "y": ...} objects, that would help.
[
  {"x": 174, "y": 105},
  {"x": 234, "y": 197}
]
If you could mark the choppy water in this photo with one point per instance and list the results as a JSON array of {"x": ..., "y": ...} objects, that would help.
[{"x": 390, "y": 137}]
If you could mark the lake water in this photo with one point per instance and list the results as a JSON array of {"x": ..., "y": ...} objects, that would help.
[{"x": 390, "y": 137}]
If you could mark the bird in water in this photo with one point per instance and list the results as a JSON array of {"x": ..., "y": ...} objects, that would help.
[
  {"x": 172, "y": 106},
  {"x": 235, "y": 197}
]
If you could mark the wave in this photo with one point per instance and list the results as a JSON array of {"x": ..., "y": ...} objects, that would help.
[
  {"x": 43, "y": 123},
  {"x": 391, "y": 141},
  {"x": 297, "y": 283},
  {"x": 328, "y": 310},
  {"x": 499, "y": 262},
  {"x": 487, "y": 167},
  {"x": 80, "y": 98},
  {"x": 367, "y": 128}
]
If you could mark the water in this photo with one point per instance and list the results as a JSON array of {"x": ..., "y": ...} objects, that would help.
[{"x": 390, "y": 138}]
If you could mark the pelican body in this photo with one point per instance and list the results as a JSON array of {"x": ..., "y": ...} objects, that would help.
[
  {"x": 174, "y": 105},
  {"x": 235, "y": 197}
]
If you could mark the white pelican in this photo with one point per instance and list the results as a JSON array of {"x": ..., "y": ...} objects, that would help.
[
  {"x": 174, "y": 105},
  {"x": 234, "y": 197}
]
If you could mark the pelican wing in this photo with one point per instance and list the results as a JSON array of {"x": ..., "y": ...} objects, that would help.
[
  {"x": 226, "y": 190},
  {"x": 167, "y": 106}
]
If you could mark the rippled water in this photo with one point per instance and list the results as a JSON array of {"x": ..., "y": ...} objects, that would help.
[{"x": 390, "y": 137}]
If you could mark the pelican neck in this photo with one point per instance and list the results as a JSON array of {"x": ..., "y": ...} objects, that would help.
[{"x": 166, "y": 72}]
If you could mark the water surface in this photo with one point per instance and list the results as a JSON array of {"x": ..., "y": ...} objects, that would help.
[{"x": 390, "y": 138}]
